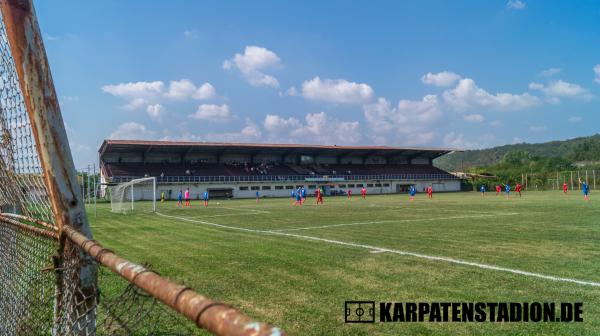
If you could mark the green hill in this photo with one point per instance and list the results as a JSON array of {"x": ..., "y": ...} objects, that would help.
[{"x": 573, "y": 150}]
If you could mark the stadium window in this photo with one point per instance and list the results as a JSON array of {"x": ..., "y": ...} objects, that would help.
[
  {"x": 289, "y": 187},
  {"x": 278, "y": 187},
  {"x": 370, "y": 185},
  {"x": 378, "y": 184},
  {"x": 342, "y": 186},
  {"x": 359, "y": 185},
  {"x": 386, "y": 184},
  {"x": 243, "y": 188},
  {"x": 350, "y": 185},
  {"x": 255, "y": 188},
  {"x": 312, "y": 187},
  {"x": 299, "y": 186},
  {"x": 266, "y": 187}
]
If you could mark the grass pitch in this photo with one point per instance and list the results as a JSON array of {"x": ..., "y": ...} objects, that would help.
[{"x": 295, "y": 267}]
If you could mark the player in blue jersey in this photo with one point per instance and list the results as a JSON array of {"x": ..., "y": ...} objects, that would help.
[
  {"x": 303, "y": 194},
  {"x": 482, "y": 190},
  {"x": 412, "y": 191},
  {"x": 257, "y": 196},
  {"x": 180, "y": 199},
  {"x": 292, "y": 194},
  {"x": 298, "y": 197},
  {"x": 507, "y": 190},
  {"x": 585, "y": 189},
  {"x": 205, "y": 198}
]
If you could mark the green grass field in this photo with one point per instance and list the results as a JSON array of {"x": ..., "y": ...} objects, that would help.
[{"x": 296, "y": 266}]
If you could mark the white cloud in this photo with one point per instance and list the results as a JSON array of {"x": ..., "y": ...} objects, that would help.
[
  {"x": 555, "y": 90},
  {"x": 184, "y": 89},
  {"x": 135, "y": 89},
  {"x": 575, "y": 119},
  {"x": 316, "y": 128},
  {"x": 250, "y": 132},
  {"x": 291, "y": 91},
  {"x": 141, "y": 94},
  {"x": 411, "y": 121},
  {"x": 134, "y": 104},
  {"x": 190, "y": 34},
  {"x": 597, "y": 72},
  {"x": 538, "y": 128},
  {"x": 253, "y": 63},
  {"x": 467, "y": 95},
  {"x": 516, "y": 4},
  {"x": 337, "y": 91},
  {"x": 477, "y": 118},
  {"x": 550, "y": 72},
  {"x": 444, "y": 78},
  {"x": 211, "y": 112},
  {"x": 517, "y": 140},
  {"x": 155, "y": 111},
  {"x": 132, "y": 131},
  {"x": 496, "y": 123},
  {"x": 459, "y": 141}
]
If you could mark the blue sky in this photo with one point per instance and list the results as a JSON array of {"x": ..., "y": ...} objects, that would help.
[{"x": 465, "y": 74}]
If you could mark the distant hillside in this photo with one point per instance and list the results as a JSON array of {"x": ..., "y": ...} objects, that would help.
[{"x": 577, "y": 149}]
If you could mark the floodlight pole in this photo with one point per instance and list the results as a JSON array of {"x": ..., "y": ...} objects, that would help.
[
  {"x": 154, "y": 194},
  {"x": 95, "y": 192}
]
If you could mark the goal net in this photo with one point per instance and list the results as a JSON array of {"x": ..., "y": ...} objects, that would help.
[{"x": 124, "y": 196}]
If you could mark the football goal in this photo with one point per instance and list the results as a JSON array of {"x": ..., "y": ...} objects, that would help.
[{"x": 124, "y": 196}]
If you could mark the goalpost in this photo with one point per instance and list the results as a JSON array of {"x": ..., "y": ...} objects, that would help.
[{"x": 124, "y": 195}]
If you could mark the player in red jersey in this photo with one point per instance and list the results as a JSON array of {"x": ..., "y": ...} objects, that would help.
[
  {"x": 518, "y": 189},
  {"x": 498, "y": 190},
  {"x": 349, "y": 193},
  {"x": 565, "y": 187},
  {"x": 363, "y": 193},
  {"x": 429, "y": 192},
  {"x": 319, "y": 196}
]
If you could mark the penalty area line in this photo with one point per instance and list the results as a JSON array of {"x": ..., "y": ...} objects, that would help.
[{"x": 398, "y": 252}]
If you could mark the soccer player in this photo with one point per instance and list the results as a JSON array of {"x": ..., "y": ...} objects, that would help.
[
  {"x": 565, "y": 187},
  {"x": 507, "y": 190},
  {"x": 257, "y": 196},
  {"x": 429, "y": 192},
  {"x": 162, "y": 197},
  {"x": 363, "y": 193},
  {"x": 498, "y": 190},
  {"x": 319, "y": 195},
  {"x": 349, "y": 192},
  {"x": 412, "y": 191},
  {"x": 205, "y": 197},
  {"x": 518, "y": 188},
  {"x": 179, "y": 199},
  {"x": 303, "y": 194},
  {"x": 482, "y": 190},
  {"x": 298, "y": 198},
  {"x": 292, "y": 194},
  {"x": 585, "y": 189},
  {"x": 187, "y": 198}
]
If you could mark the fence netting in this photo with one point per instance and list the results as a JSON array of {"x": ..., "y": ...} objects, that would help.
[
  {"x": 40, "y": 288},
  {"x": 54, "y": 279}
]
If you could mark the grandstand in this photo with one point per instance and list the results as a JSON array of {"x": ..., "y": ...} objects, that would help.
[{"x": 240, "y": 169}]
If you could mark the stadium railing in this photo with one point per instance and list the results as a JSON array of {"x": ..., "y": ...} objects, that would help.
[{"x": 286, "y": 178}]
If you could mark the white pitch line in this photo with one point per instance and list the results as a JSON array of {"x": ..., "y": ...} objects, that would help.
[
  {"x": 392, "y": 221},
  {"x": 243, "y": 209},
  {"x": 405, "y": 253}
]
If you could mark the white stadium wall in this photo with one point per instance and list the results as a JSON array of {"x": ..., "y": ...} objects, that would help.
[{"x": 278, "y": 189}]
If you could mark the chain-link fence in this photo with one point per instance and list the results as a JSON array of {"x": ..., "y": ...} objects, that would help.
[{"x": 54, "y": 279}]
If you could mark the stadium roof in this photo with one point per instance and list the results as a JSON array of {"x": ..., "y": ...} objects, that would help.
[{"x": 121, "y": 146}]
